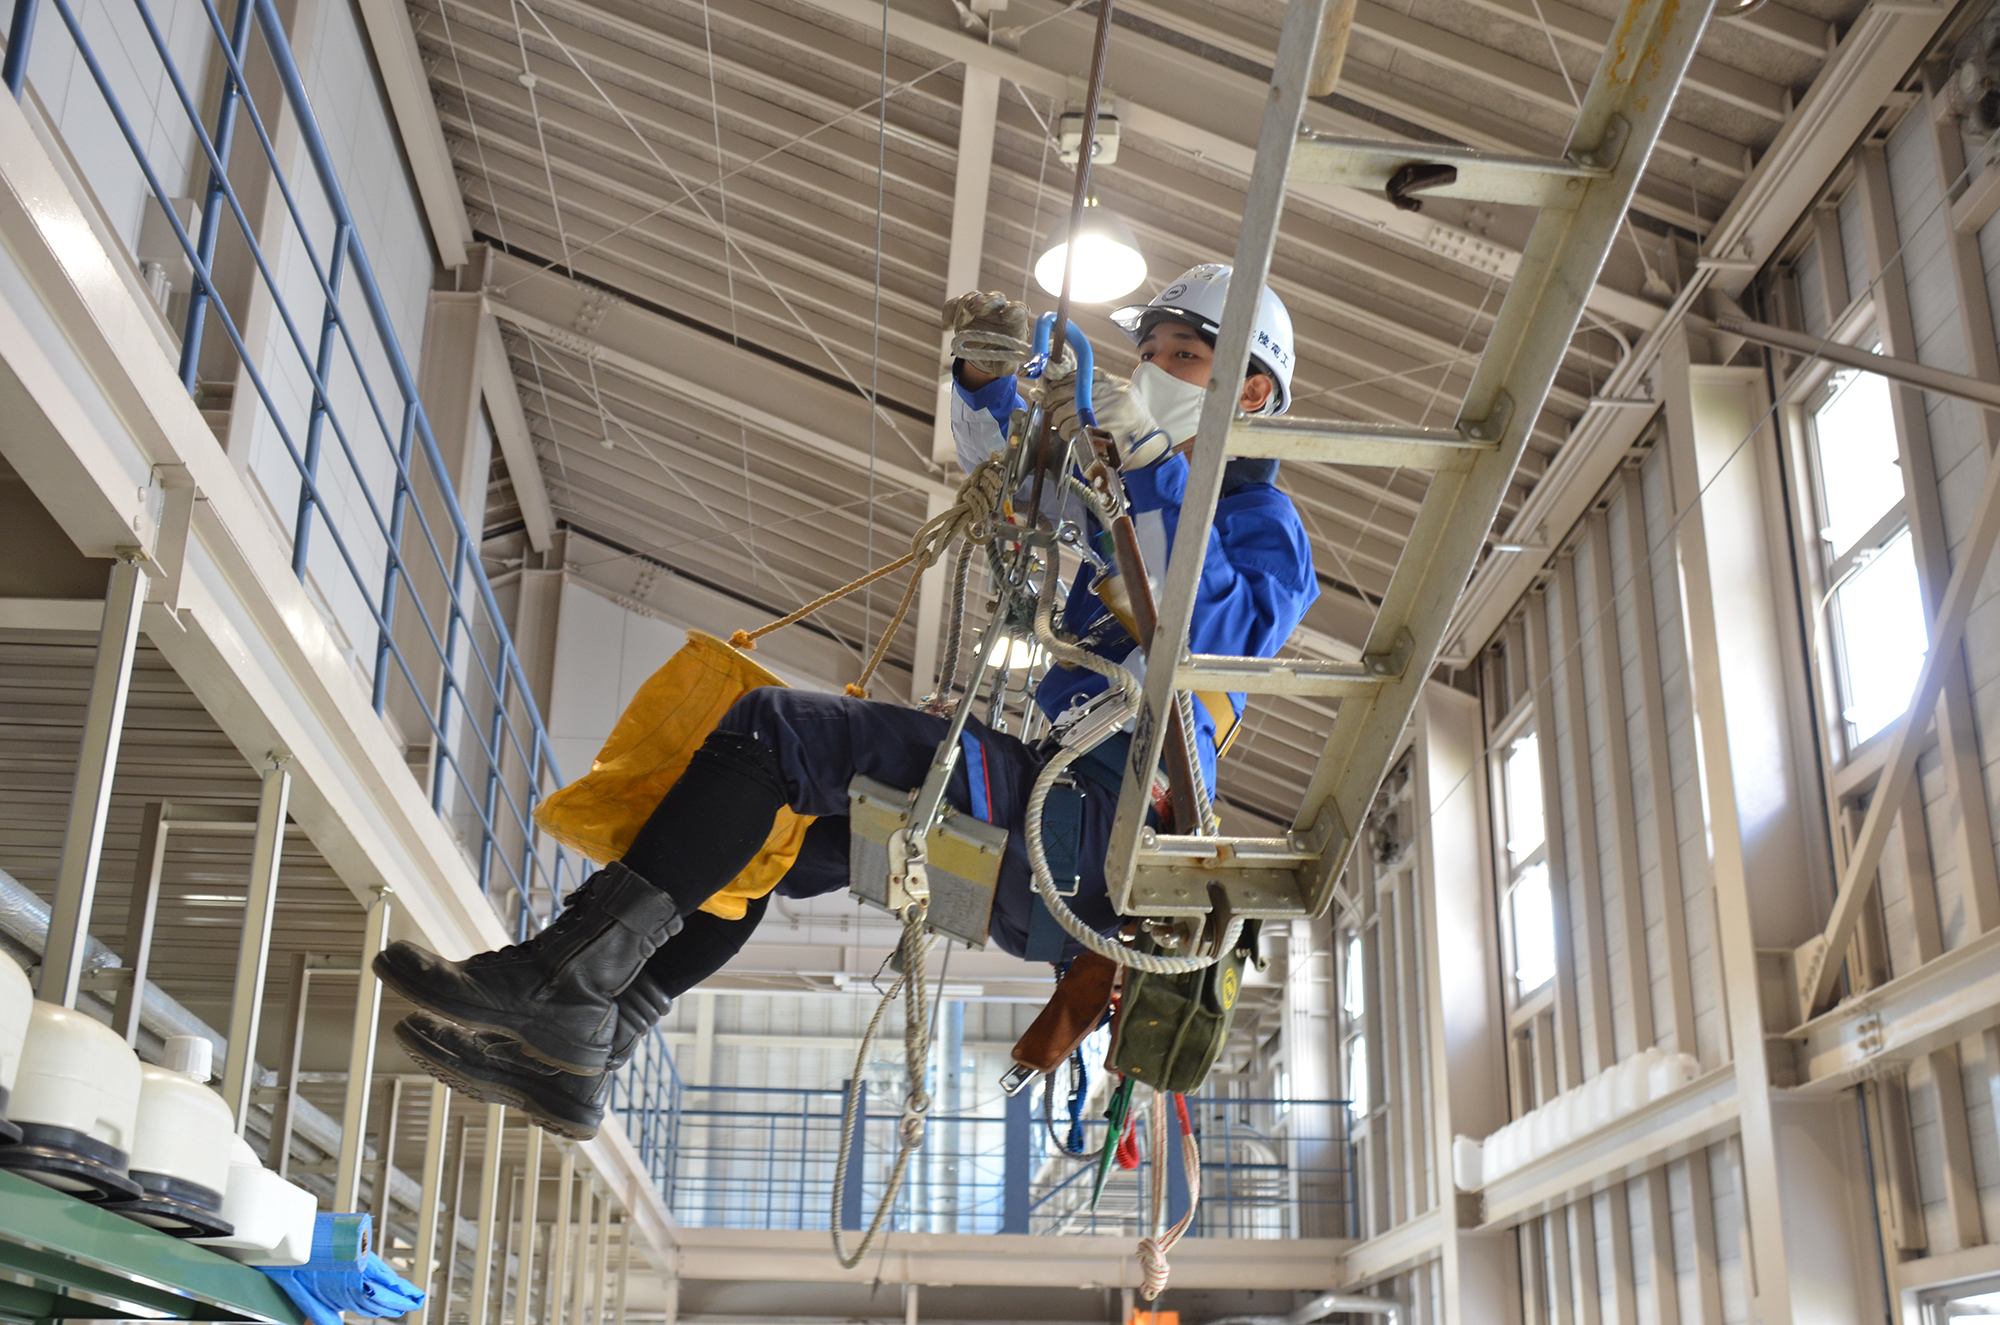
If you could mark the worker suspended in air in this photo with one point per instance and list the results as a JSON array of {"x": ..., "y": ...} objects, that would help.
[{"x": 540, "y": 1026}]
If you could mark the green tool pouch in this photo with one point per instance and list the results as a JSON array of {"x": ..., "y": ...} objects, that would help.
[{"x": 1170, "y": 1029}]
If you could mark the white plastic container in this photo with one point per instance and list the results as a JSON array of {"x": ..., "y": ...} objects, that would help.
[
  {"x": 1632, "y": 1092},
  {"x": 1541, "y": 1132},
  {"x": 17, "y": 1009},
  {"x": 1600, "y": 1099},
  {"x": 1669, "y": 1074},
  {"x": 1466, "y": 1162},
  {"x": 273, "y": 1219},
  {"x": 181, "y": 1151},
  {"x": 1501, "y": 1154},
  {"x": 76, "y": 1101},
  {"x": 1572, "y": 1120}
]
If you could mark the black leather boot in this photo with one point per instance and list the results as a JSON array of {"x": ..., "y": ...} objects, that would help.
[
  {"x": 494, "y": 1069},
  {"x": 557, "y": 993}
]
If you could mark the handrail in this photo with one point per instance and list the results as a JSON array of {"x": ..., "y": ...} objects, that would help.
[
  {"x": 502, "y": 766},
  {"x": 763, "y": 1157}
]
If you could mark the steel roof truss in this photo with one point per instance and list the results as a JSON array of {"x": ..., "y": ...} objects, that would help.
[{"x": 1473, "y": 465}]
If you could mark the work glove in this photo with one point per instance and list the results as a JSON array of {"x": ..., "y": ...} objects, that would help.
[
  {"x": 368, "y": 1287},
  {"x": 344, "y": 1275},
  {"x": 1138, "y": 440},
  {"x": 989, "y": 331}
]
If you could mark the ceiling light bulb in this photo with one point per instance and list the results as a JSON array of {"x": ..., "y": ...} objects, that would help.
[
  {"x": 1108, "y": 262},
  {"x": 1017, "y": 654}
]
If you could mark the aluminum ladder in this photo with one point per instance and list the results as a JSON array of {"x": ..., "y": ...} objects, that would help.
[{"x": 1582, "y": 198}]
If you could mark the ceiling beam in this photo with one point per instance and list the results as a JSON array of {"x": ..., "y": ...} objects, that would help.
[
  {"x": 402, "y": 69},
  {"x": 747, "y": 367},
  {"x": 510, "y": 428},
  {"x": 1235, "y": 153},
  {"x": 1843, "y": 101},
  {"x": 1247, "y": 38}
]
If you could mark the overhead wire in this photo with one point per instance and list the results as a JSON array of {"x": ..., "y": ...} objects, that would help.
[
  {"x": 875, "y": 355},
  {"x": 728, "y": 262},
  {"x": 640, "y": 445},
  {"x": 545, "y": 269},
  {"x": 690, "y": 195},
  {"x": 499, "y": 219},
  {"x": 749, "y": 261},
  {"x": 1041, "y": 177}
]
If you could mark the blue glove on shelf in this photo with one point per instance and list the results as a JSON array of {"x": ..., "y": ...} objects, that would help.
[{"x": 344, "y": 1275}]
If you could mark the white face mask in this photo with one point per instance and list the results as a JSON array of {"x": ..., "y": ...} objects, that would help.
[{"x": 1175, "y": 405}]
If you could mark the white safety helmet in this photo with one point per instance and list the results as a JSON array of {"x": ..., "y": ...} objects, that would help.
[{"x": 1195, "y": 296}]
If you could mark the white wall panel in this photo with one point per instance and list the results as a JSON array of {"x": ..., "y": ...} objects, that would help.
[
  {"x": 1854, "y": 244},
  {"x": 1650, "y": 874},
  {"x": 145, "y": 93},
  {"x": 1923, "y": 1097},
  {"x": 1898, "y": 920},
  {"x": 366, "y": 153},
  {"x": 1976, "y": 1058},
  {"x": 1556, "y": 748},
  {"x": 1694, "y": 891},
  {"x": 1958, "y": 445},
  {"x": 1640, "y": 1212},
  {"x": 1600, "y": 784},
  {"x": 1812, "y": 289},
  {"x": 1726, "y": 1196}
]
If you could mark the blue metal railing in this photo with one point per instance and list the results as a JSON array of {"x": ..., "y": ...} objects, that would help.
[
  {"x": 646, "y": 1097},
  {"x": 763, "y": 1158},
  {"x": 404, "y": 564}
]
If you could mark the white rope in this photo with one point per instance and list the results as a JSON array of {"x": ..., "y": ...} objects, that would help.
[
  {"x": 916, "y": 1103},
  {"x": 1044, "y": 879},
  {"x": 1153, "y": 1248}
]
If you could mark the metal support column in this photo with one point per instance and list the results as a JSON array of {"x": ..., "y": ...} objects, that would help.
[
  {"x": 531, "y": 1199},
  {"x": 139, "y": 917},
  {"x": 90, "y": 794},
  {"x": 432, "y": 1185},
  {"x": 552, "y": 1290},
  {"x": 361, "y": 1059},
  {"x": 253, "y": 950},
  {"x": 478, "y": 1312},
  {"x": 385, "y": 1153},
  {"x": 580, "y": 1280},
  {"x": 603, "y": 1258},
  {"x": 624, "y": 1263},
  {"x": 452, "y": 1213}
]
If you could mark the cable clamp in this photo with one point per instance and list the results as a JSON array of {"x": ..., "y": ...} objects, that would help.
[{"x": 909, "y": 877}]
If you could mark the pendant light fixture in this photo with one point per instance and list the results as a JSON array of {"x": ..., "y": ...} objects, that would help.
[{"x": 1108, "y": 262}]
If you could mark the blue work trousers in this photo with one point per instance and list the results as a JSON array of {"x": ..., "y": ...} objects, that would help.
[{"x": 824, "y": 741}]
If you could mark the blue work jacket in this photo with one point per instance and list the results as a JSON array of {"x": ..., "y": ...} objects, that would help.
[{"x": 1256, "y": 582}]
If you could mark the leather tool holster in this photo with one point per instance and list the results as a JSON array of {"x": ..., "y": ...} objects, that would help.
[{"x": 1081, "y": 999}]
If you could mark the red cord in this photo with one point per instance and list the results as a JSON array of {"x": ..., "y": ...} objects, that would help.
[{"x": 1127, "y": 1153}]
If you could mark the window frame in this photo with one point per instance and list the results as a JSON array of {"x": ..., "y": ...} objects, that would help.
[
  {"x": 1825, "y": 572},
  {"x": 1523, "y": 1004}
]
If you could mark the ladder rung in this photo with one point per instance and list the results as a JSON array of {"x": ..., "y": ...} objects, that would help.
[
  {"x": 1275, "y": 676},
  {"x": 1385, "y": 446},
  {"x": 1259, "y": 874},
  {"x": 1528, "y": 181}
]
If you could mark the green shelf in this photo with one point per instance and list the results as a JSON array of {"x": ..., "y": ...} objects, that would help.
[{"x": 65, "y": 1259}]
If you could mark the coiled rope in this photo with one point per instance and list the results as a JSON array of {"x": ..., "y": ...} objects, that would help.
[
  {"x": 1127, "y": 686},
  {"x": 969, "y": 516},
  {"x": 916, "y": 1103}
]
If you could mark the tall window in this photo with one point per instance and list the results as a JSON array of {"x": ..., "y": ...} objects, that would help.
[
  {"x": 1873, "y": 611},
  {"x": 1530, "y": 908},
  {"x": 1354, "y": 1002}
]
